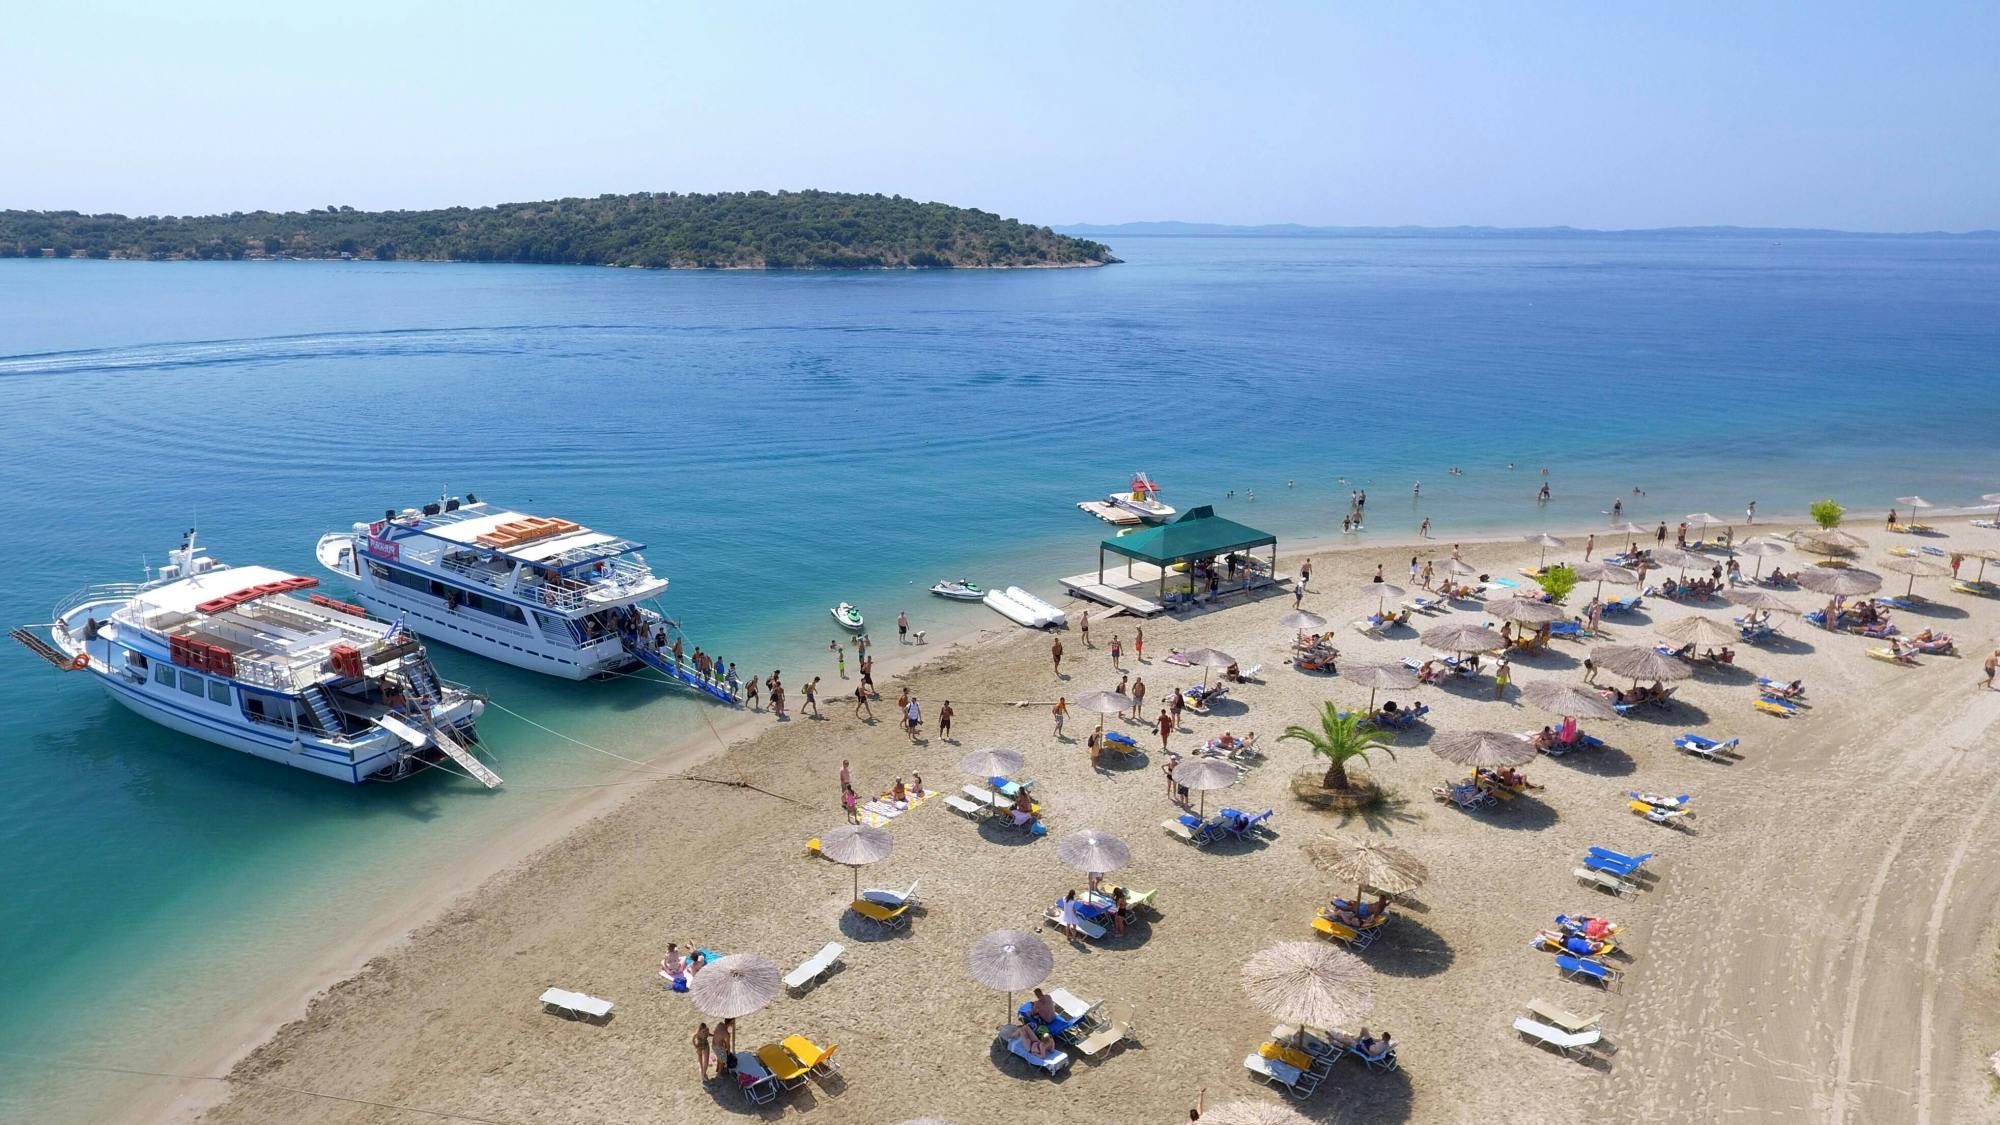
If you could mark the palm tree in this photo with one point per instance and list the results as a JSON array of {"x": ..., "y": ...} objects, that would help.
[{"x": 1339, "y": 739}]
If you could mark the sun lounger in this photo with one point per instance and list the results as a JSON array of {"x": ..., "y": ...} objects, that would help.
[
  {"x": 960, "y": 805},
  {"x": 1383, "y": 1061},
  {"x": 1287, "y": 1077},
  {"x": 1342, "y": 932},
  {"x": 1120, "y": 738},
  {"x": 575, "y": 1005},
  {"x": 1568, "y": 630},
  {"x": 1707, "y": 747},
  {"x": 1624, "y": 605},
  {"x": 1074, "y": 1007},
  {"x": 1191, "y": 829},
  {"x": 1569, "y": 1043},
  {"x": 811, "y": 1056},
  {"x": 755, "y": 1079},
  {"x": 893, "y": 898},
  {"x": 1060, "y": 1027},
  {"x": 1634, "y": 861},
  {"x": 1049, "y": 1063},
  {"x": 884, "y": 809},
  {"x": 1604, "y": 880},
  {"x": 1773, "y": 706},
  {"x": 887, "y": 917},
  {"x": 1008, "y": 788},
  {"x": 787, "y": 1070},
  {"x": 1890, "y": 656},
  {"x": 1671, "y": 817},
  {"x": 1084, "y": 926},
  {"x": 1368, "y": 626},
  {"x": 1583, "y": 968},
  {"x": 1240, "y": 824},
  {"x": 1562, "y": 1017},
  {"x": 1466, "y": 796},
  {"x": 1611, "y": 866},
  {"x": 816, "y": 966},
  {"x": 1107, "y": 1034}
]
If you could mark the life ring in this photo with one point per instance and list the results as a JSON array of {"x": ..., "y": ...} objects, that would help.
[{"x": 81, "y": 662}]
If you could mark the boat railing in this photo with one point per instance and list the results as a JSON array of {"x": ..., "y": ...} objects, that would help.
[
  {"x": 476, "y": 572},
  {"x": 97, "y": 592}
]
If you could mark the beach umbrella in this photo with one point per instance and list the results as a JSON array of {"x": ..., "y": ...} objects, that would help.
[
  {"x": 1761, "y": 599},
  {"x": 1993, "y": 498},
  {"x": 1093, "y": 852},
  {"x": 1103, "y": 703},
  {"x": 995, "y": 761},
  {"x": 1458, "y": 567},
  {"x": 1461, "y": 637},
  {"x": 1299, "y": 621},
  {"x": 855, "y": 846},
  {"x": 1483, "y": 749},
  {"x": 1366, "y": 863},
  {"x": 1640, "y": 662},
  {"x": 1543, "y": 540},
  {"x": 1382, "y": 592},
  {"x": 1914, "y": 502},
  {"x": 1207, "y": 658},
  {"x": 1253, "y": 1113},
  {"x": 1204, "y": 774},
  {"x": 1915, "y": 568},
  {"x": 1832, "y": 541},
  {"x": 1984, "y": 555},
  {"x": 1631, "y": 532},
  {"x": 1674, "y": 556},
  {"x": 1375, "y": 677},
  {"x": 1569, "y": 699},
  {"x": 1703, "y": 519},
  {"x": 1760, "y": 549},
  {"x": 1525, "y": 611},
  {"x": 1698, "y": 629},
  {"x": 1009, "y": 960},
  {"x": 1602, "y": 572},
  {"x": 1309, "y": 984},
  {"x": 1840, "y": 583},
  {"x": 735, "y": 986}
]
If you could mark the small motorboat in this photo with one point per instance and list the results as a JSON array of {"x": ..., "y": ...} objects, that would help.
[
  {"x": 848, "y": 616},
  {"x": 958, "y": 590},
  {"x": 1143, "y": 500}
]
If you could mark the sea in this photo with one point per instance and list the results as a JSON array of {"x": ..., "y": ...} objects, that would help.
[{"x": 786, "y": 441}]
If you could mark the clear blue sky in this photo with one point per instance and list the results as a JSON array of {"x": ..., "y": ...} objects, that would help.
[{"x": 1883, "y": 117}]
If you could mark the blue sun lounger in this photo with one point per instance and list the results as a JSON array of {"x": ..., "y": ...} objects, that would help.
[
  {"x": 1623, "y": 605},
  {"x": 1630, "y": 862},
  {"x": 1586, "y": 969},
  {"x": 1706, "y": 747},
  {"x": 1121, "y": 738},
  {"x": 1610, "y": 866}
]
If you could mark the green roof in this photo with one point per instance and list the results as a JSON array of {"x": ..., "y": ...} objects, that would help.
[{"x": 1199, "y": 533}]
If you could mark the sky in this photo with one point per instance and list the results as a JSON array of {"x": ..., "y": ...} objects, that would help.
[{"x": 1609, "y": 115}]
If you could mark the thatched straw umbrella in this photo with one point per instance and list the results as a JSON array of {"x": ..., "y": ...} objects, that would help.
[
  {"x": 1761, "y": 599},
  {"x": 1760, "y": 549},
  {"x": 1104, "y": 703},
  {"x": 1638, "y": 662},
  {"x": 1568, "y": 699},
  {"x": 1543, "y": 540},
  {"x": 1915, "y": 568},
  {"x": 1093, "y": 852},
  {"x": 1841, "y": 583},
  {"x": 994, "y": 761},
  {"x": 1674, "y": 556},
  {"x": 1375, "y": 677},
  {"x": 1381, "y": 592},
  {"x": 1483, "y": 749},
  {"x": 1309, "y": 984},
  {"x": 1207, "y": 658},
  {"x": 1366, "y": 863},
  {"x": 1462, "y": 637},
  {"x": 1831, "y": 541},
  {"x": 1299, "y": 621},
  {"x": 1204, "y": 774},
  {"x": 1698, "y": 630},
  {"x": 1631, "y": 531},
  {"x": 1008, "y": 961},
  {"x": 734, "y": 986},
  {"x": 855, "y": 846},
  {"x": 1602, "y": 572},
  {"x": 1525, "y": 611}
]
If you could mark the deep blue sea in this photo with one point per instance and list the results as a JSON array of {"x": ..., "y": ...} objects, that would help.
[{"x": 787, "y": 441}]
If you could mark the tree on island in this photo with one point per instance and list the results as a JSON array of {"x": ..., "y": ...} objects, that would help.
[{"x": 1826, "y": 514}]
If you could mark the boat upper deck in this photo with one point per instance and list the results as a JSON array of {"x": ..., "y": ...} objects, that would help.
[{"x": 553, "y": 563}]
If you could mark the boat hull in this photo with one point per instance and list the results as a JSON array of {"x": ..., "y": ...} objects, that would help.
[
  {"x": 1160, "y": 514},
  {"x": 427, "y": 618},
  {"x": 275, "y": 746},
  {"x": 959, "y": 595}
]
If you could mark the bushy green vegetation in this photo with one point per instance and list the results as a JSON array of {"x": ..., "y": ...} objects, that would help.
[
  {"x": 1826, "y": 513},
  {"x": 754, "y": 230},
  {"x": 1340, "y": 739},
  {"x": 1557, "y": 581}
]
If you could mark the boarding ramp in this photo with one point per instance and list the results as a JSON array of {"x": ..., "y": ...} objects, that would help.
[{"x": 664, "y": 663}]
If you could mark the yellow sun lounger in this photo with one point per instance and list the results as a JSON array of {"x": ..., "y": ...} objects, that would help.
[
  {"x": 1889, "y": 656},
  {"x": 787, "y": 1070},
  {"x": 811, "y": 1055},
  {"x": 1776, "y": 707},
  {"x": 889, "y": 917}
]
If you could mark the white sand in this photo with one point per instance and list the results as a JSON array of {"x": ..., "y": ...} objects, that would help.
[{"x": 1818, "y": 951}]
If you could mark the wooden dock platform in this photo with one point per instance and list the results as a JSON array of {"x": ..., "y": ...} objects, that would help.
[
  {"x": 1110, "y": 513},
  {"x": 1118, "y": 590}
]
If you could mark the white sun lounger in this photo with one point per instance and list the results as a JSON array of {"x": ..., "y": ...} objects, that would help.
[
  {"x": 1084, "y": 926},
  {"x": 762, "y": 1087},
  {"x": 1074, "y": 1007},
  {"x": 1570, "y": 1043},
  {"x": 1107, "y": 1035},
  {"x": 575, "y": 1005},
  {"x": 893, "y": 898},
  {"x": 963, "y": 807},
  {"x": 1048, "y": 1064},
  {"x": 1604, "y": 880},
  {"x": 1296, "y": 1082},
  {"x": 816, "y": 966},
  {"x": 1562, "y": 1017}
]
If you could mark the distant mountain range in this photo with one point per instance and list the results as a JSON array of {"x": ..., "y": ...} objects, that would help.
[{"x": 1297, "y": 230}]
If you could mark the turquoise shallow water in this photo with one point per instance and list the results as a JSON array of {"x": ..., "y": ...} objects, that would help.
[{"x": 788, "y": 441}]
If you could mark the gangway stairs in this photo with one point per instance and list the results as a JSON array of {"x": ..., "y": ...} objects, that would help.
[
  {"x": 322, "y": 709},
  {"x": 442, "y": 739},
  {"x": 663, "y": 663},
  {"x": 41, "y": 648}
]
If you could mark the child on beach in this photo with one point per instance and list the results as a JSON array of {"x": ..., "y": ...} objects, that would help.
[
  {"x": 701, "y": 1055},
  {"x": 1139, "y": 645},
  {"x": 1061, "y": 712},
  {"x": 812, "y": 698},
  {"x": 850, "y": 803},
  {"x": 1085, "y": 625}
]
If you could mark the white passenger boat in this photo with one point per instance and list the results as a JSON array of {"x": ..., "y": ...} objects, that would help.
[
  {"x": 1143, "y": 500},
  {"x": 548, "y": 595},
  {"x": 243, "y": 657}
]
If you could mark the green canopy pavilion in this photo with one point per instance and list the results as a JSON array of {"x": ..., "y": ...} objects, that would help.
[{"x": 1198, "y": 534}]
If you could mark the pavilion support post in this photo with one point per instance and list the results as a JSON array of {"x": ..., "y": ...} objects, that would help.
[{"x": 1100, "y": 564}]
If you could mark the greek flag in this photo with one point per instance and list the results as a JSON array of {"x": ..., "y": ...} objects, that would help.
[{"x": 396, "y": 632}]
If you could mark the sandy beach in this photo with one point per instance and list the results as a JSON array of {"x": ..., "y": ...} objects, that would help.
[{"x": 1818, "y": 948}]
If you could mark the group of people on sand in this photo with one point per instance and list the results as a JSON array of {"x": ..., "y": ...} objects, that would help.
[
  {"x": 899, "y": 795},
  {"x": 716, "y": 1048},
  {"x": 1701, "y": 589},
  {"x": 1355, "y": 913}
]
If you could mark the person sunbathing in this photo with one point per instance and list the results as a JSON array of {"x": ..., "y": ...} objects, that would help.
[
  {"x": 1229, "y": 741},
  {"x": 1725, "y": 655},
  {"x": 899, "y": 793},
  {"x": 1342, "y": 911},
  {"x": 1032, "y": 1039},
  {"x": 1429, "y": 674},
  {"x": 1793, "y": 690},
  {"x": 1042, "y": 1007},
  {"x": 1023, "y": 810},
  {"x": 917, "y": 786},
  {"x": 1373, "y": 1049},
  {"x": 1545, "y": 739},
  {"x": 673, "y": 965}
]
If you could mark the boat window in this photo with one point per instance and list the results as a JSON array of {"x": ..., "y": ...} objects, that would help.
[
  {"x": 191, "y": 683},
  {"x": 163, "y": 673},
  {"x": 218, "y": 691}
]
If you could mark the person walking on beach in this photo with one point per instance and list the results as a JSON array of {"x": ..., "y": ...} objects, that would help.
[
  {"x": 724, "y": 1045},
  {"x": 1413, "y": 568},
  {"x": 1177, "y": 702},
  {"x": 846, "y": 775},
  {"x": 1061, "y": 713},
  {"x": 1589, "y": 545},
  {"x": 735, "y": 685},
  {"x": 1660, "y": 536},
  {"x": 1084, "y": 624},
  {"x": 1992, "y": 666},
  {"x": 868, "y": 675},
  {"x": 1068, "y": 914},
  {"x": 702, "y": 1057},
  {"x": 1117, "y": 649},
  {"x": 1455, "y": 553},
  {"x": 1502, "y": 673},
  {"x": 1306, "y": 571},
  {"x": 902, "y": 627},
  {"x": 944, "y": 721},
  {"x": 750, "y": 698},
  {"x": 812, "y": 698},
  {"x": 1139, "y": 643},
  {"x": 1120, "y": 690},
  {"x": 1378, "y": 573},
  {"x": 861, "y": 707},
  {"x": 1590, "y": 671},
  {"x": 1166, "y": 728},
  {"x": 1299, "y": 596},
  {"x": 850, "y": 803},
  {"x": 1424, "y": 528},
  {"x": 914, "y": 718},
  {"x": 840, "y": 658},
  {"x": 1750, "y": 513},
  {"x": 778, "y": 700},
  {"x": 1055, "y": 654},
  {"x": 1138, "y": 696}
]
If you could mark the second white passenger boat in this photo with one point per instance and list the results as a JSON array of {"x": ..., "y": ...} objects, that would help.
[{"x": 548, "y": 595}]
